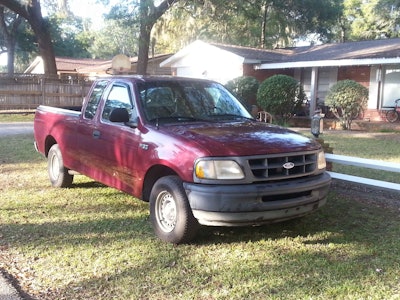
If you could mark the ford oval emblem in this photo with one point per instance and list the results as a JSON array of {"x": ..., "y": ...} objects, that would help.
[{"x": 288, "y": 165}]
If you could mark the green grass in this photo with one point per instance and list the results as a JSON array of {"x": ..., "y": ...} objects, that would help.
[
  {"x": 24, "y": 117},
  {"x": 379, "y": 146},
  {"x": 93, "y": 242}
]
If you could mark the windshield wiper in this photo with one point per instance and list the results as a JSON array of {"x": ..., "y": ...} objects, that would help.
[{"x": 175, "y": 119}]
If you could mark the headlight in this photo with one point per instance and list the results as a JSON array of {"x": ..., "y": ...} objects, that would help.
[
  {"x": 218, "y": 169},
  {"x": 321, "y": 160}
]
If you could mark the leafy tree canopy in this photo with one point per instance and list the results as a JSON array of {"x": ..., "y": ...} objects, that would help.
[
  {"x": 68, "y": 36},
  {"x": 370, "y": 19},
  {"x": 255, "y": 23},
  {"x": 137, "y": 27}
]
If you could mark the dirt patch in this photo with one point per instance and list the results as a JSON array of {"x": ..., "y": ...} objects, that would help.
[{"x": 369, "y": 195}]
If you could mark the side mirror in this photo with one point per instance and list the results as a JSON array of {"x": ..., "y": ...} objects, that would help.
[{"x": 119, "y": 115}]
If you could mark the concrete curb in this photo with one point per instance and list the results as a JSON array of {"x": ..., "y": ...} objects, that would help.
[{"x": 7, "y": 291}]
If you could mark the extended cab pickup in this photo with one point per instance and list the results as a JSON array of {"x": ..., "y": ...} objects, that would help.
[{"x": 189, "y": 148}]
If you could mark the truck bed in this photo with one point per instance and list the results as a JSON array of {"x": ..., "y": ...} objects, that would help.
[{"x": 74, "y": 110}]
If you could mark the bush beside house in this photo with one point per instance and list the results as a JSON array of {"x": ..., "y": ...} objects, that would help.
[
  {"x": 346, "y": 99},
  {"x": 245, "y": 88},
  {"x": 280, "y": 95}
]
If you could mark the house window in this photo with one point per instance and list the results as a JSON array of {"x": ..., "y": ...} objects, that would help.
[
  {"x": 326, "y": 78},
  {"x": 391, "y": 85}
]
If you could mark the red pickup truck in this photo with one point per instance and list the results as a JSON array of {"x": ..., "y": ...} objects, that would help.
[{"x": 188, "y": 147}]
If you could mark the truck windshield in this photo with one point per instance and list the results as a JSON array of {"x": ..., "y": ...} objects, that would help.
[{"x": 189, "y": 101}]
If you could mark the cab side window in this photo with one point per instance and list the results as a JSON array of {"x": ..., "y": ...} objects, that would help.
[
  {"x": 119, "y": 97},
  {"x": 94, "y": 100}
]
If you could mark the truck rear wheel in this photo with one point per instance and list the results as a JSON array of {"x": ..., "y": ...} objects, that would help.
[
  {"x": 58, "y": 173},
  {"x": 170, "y": 213}
]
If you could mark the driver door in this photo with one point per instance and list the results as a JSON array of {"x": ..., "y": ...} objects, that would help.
[{"x": 116, "y": 144}]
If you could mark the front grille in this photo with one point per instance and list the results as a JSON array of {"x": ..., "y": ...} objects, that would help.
[{"x": 273, "y": 167}]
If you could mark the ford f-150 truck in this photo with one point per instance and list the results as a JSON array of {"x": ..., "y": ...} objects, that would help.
[{"x": 189, "y": 148}]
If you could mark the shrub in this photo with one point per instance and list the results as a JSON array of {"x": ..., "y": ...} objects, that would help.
[
  {"x": 346, "y": 99},
  {"x": 245, "y": 88},
  {"x": 280, "y": 95}
]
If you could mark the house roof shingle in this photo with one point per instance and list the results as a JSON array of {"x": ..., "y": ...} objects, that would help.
[
  {"x": 385, "y": 48},
  {"x": 255, "y": 54},
  {"x": 73, "y": 64}
]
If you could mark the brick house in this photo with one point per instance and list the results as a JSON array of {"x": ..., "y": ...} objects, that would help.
[{"x": 375, "y": 64}]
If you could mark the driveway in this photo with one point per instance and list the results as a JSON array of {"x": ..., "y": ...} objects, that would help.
[{"x": 14, "y": 128}]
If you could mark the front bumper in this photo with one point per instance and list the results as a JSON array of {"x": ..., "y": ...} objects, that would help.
[{"x": 260, "y": 203}]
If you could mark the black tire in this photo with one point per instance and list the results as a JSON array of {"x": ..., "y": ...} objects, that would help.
[
  {"x": 392, "y": 116},
  {"x": 170, "y": 213},
  {"x": 58, "y": 173}
]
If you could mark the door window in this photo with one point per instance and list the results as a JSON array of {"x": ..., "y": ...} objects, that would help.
[
  {"x": 119, "y": 97},
  {"x": 94, "y": 99}
]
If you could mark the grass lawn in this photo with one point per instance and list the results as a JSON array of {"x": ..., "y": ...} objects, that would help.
[
  {"x": 379, "y": 146},
  {"x": 94, "y": 242},
  {"x": 25, "y": 117}
]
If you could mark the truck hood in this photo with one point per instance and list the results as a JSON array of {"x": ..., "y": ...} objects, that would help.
[{"x": 242, "y": 138}]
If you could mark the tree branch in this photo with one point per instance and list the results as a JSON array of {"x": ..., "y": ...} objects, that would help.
[{"x": 16, "y": 7}]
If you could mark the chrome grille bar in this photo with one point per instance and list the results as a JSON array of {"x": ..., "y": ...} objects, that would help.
[{"x": 278, "y": 167}]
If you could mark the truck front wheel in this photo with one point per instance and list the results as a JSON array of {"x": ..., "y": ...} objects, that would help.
[
  {"x": 170, "y": 212},
  {"x": 58, "y": 174}
]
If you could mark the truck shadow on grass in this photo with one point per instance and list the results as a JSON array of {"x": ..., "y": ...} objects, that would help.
[
  {"x": 349, "y": 220},
  {"x": 341, "y": 215},
  {"x": 87, "y": 184},
  {"x": 344, "y": 243}
]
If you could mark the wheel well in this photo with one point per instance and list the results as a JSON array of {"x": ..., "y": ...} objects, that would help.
[
  {"x": 152, "y": 175},
  {"x": 50, "y": 141}
]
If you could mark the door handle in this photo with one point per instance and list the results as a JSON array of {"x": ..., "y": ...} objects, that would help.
[{"x": 96, "y": 134}]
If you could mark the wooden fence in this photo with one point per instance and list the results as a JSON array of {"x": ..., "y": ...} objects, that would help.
[{"x": 26, "y": 91}]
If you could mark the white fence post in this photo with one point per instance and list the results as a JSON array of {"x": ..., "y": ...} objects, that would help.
[{"x": 364, "y": 163}]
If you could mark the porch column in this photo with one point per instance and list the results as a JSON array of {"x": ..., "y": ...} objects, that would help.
[{"x": 313, "y": 90}]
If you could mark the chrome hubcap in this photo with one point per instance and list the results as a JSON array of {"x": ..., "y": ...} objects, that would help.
[
  {"x": 54, "y": 167},
  {"x": 166, "y": 211}
]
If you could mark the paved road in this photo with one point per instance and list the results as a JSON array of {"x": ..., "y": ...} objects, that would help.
[{"x": 7, "y": 129}]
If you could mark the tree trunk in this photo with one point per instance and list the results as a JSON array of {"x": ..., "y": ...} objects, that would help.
[
  {"x": 10, "y": 58},
  {"x": 33, "y": 14},
  {"x": 264, "y": 25},
  {"x": 9, "y": 33},
  {"x": 46, "y": 51},
  {"x": 149, "y": 14},
  {"x": 144, "y": 45},
  {"x": 43, "y": 37}
]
